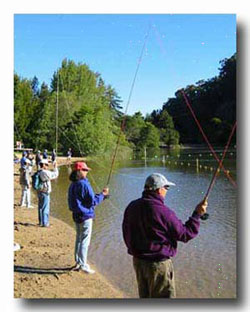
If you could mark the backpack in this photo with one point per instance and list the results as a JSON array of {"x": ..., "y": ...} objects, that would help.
[{"x": 37, "y": 183}]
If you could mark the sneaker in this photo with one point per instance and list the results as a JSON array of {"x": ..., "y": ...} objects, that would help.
[
  {"x": 22, "y": 205},
  {"x": 88, "y": 270},
  {"x": 30, "y": 206}
]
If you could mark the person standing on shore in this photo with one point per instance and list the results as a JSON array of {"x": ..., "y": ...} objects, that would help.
[
  {"x": 69, "y": 155},
  {"x": 23, "y": 159},
  {"x": 25, "y": 175},
  {"x": 38, "y": 159},
  {"x": 82, "y": 202},
  {"x": 45, "y": 154},
  {"x": 151, "y": 231},
  {"x": 53, "y": 156},
  {"x": 30, "y": 156},
  {"x": 44, "y": 193}
]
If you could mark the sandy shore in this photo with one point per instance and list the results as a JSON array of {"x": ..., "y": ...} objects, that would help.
[{"x": 42, "y": 267}]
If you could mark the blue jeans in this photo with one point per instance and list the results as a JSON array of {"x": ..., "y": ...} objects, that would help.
[
  {"x": 43, "y": 208},
  {"x": 83, "y": 235}
]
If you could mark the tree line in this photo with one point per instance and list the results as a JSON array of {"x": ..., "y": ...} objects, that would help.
[
  {"x": 214, "y": 104},
  {"x": 89, "y": 112}
]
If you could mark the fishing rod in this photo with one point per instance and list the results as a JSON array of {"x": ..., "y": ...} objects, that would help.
[
  {"x": 57, "y": 98},
  {"x": 128, "y": 102},
  {"x": 206, "y": 215},
  {"x": 206, "y": 139}
]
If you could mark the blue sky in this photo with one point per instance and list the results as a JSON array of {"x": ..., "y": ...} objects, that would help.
[{"x": 181, "y": 49}]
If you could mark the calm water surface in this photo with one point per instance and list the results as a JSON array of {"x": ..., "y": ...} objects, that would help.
[{"x": 205, "y": 267}]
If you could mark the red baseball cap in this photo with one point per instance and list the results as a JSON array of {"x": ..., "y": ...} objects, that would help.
[{"x": 81, "y": 165}]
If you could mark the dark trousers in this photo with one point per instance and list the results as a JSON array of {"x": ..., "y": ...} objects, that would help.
[{"x": 155, "y": 279}]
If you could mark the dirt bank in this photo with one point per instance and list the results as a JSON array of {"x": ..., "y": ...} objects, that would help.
[{"x": 43, "y": 264}]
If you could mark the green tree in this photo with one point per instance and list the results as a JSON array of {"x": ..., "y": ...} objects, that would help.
[
  {"x": 213, "y": 98},
  {"x": 149, "y": 136},
  {"x": 133, "y": 126}
]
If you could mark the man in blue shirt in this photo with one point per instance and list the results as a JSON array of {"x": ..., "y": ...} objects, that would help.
[
  {"x": 45, "y": 154},
  {"x": 82, "y": 201},
  {"x": 23, "y": 159}
]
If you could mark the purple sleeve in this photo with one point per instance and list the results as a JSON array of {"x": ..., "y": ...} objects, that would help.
[{"x": 183, "y": 232}]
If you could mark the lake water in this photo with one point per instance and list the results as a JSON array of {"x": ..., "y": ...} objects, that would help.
[{"x": 205, "y": 267}]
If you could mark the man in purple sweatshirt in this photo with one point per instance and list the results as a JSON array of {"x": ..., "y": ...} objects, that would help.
[{"x": 151, "y": 231}]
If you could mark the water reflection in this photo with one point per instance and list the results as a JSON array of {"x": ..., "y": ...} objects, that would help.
[{"x": 206, "y": 266}]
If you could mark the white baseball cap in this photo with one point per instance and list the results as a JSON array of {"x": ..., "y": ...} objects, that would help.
[{"x": 44, "y": 161}]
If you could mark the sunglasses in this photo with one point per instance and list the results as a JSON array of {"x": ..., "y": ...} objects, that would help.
[{"x": 166, "y": 187}]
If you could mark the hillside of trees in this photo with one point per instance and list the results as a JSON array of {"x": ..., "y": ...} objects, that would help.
[
  {"x": 89, "y": 112},
  {"x": 214, "y": 104}
]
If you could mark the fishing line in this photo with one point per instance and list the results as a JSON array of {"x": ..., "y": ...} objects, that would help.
[
  {"x": 71, "y": 119},
  {"x": 196, "y": 120},
  {"x": 18, "y": 133},
  {"x": 76, "y": 137},
  {"x": 128, "y": 102},
  {"x": 220, "y": 164},
  {"x": 70, "y": 141},
  {"x": 205, "y": 216},
  {"x": 206, "y": 139},
  {"x": 75, "y": 133}
]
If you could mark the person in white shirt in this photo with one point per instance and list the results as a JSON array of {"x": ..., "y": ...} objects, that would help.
[{"x": 44, "y": 193}]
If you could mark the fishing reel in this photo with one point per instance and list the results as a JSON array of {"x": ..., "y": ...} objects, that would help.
[{"x": 205, "y": 216}]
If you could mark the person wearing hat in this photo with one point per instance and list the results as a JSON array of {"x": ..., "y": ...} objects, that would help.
[
  {"x": 38, "y": 159},
  {"x": 44, "y": 193},
  {"x": 23, "y": 159},
  {"x": 69, "y": 155},
  {"x": 45, "y": 154},
  {"x": 82, "y": 202},
  {"x": 151, "y": 231},
  {"x": 53, "y": 156},
  {"x": 25, "y": 175}
]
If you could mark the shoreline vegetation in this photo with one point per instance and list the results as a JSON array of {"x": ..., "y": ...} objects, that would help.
[{"x": 43, "y": 264}]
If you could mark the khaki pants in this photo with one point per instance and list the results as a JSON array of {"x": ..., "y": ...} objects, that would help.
[{"x": 155, "y": 279}]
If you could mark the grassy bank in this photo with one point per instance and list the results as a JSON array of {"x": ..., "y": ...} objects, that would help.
[{"x": 42, "y": 267}]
